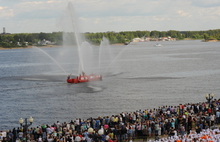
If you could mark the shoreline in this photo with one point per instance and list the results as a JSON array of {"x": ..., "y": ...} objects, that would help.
[
  {"x": 50, "y": 46},
  {"x": 46, "y": 46}
]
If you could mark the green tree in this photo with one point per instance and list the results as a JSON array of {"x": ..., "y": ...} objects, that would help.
[
  {"x": 42, "y": 36},
  {"x": 163, "y": 34},
  {"x": 30, "y": 38},
  {"x": 154, "y": 34},
  {"x": 5, "y": 44},
  {"x": 206, "y": 37}
]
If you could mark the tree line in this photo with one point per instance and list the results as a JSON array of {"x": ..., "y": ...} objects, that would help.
[{"x": 57, "y": 38}]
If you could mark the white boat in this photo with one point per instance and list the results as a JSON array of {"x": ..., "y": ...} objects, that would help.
[{"x": 158, "y": 45}]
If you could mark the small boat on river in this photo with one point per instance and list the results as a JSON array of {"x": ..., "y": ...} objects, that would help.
[
  {"x": 84, "y": 78},
  {"x": 158, "y": 45}
]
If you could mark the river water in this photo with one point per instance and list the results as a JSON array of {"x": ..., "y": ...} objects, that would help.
[{"x": 144, "y": 77}]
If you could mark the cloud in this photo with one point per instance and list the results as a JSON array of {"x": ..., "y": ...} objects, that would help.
[
  {"x": 206, "y": 3},
  {"x": 96, "y": 21},
  {"x": 37, "y": 9},
  {"x": 6, "y": 13},
  {"x": 118, "y": 8},
  {"x": 30, "y": 26},
  {"x": 158, "y": 19},
  {"x": 38, "y": 5},
  {"x": 182, "y": 13},
  {"x": 113, "y": 15}
]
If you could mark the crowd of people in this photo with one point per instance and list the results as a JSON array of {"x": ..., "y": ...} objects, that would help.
[{"x": 185, "y": 122}]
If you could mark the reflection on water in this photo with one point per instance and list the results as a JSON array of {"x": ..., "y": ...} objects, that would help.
[{"x": 146, "y": 77}]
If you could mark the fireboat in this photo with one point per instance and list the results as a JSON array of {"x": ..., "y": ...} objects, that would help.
[{"x": 84, "y": 78}]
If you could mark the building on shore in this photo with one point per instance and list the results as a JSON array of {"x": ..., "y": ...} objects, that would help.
[
  {"x": 153, "y": 39},
  {"x": 4, "y": 31}
]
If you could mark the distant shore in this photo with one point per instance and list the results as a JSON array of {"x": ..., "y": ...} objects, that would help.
[{"x": 45, "y": 46}]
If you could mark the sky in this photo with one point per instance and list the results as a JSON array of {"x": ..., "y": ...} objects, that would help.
[{"x": 35, "y": 16}]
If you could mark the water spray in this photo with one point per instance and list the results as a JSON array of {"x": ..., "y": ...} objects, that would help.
[
  {"x": 114, "y": 59},
  {"x": 70, "y": 7},
  {"x": 50, "y": 58}
]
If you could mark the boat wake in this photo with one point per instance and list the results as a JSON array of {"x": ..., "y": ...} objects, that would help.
[
  {"x": 95, "y": 88},
  {"x": 112, "y": 74},
  {"x": 35, "y": 79},
  {"x": 153, "y": 78}
]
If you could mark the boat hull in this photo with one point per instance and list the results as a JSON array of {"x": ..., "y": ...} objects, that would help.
[{"x": 85, "y": 78}]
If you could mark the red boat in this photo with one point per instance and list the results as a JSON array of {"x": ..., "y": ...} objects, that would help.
[{"x": 84, "y": 78}]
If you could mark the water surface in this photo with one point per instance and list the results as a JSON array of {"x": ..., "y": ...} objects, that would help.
[{"x": 143, "y": 76}]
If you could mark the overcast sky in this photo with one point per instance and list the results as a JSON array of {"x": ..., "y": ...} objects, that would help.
[{"x": 35, "y": 16}]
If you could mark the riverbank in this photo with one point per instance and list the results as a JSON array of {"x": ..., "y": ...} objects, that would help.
[
  {"x": 210, "y": 40},
  {"x": 166, "y": 122},
  {"x": 45, "y": 46},
  {"x": 50, "y": 46}
]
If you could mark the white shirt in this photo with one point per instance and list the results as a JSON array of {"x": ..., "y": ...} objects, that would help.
[
  {"x": 107, "y": 137},
  {"x": 78, "y": 139}
]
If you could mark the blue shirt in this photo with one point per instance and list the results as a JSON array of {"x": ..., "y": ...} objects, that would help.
[{"x": 217, "y": 114}]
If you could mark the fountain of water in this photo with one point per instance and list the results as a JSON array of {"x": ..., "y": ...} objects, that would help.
[
  {"x": 76, "y": 54},
  {"x": 87, "y": 62},
  {"x": 105, "y": 55},
  {"x": 76, "y": 32},
  {"x": 114, "y": 59},
  {"x": 72, "y": 37},
  {"x": 51, "y": 59}
]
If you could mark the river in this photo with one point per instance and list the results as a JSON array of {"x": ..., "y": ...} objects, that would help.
[{"x": 144, "y": 77}]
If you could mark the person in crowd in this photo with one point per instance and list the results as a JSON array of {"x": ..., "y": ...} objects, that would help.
[{"x": 145, "y": 133}]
